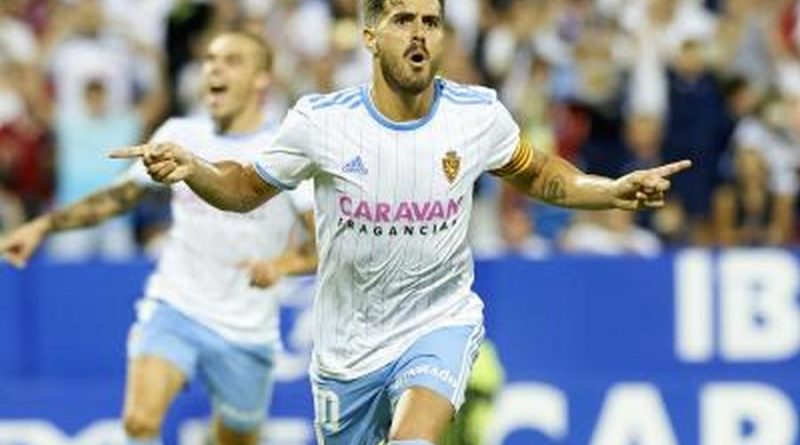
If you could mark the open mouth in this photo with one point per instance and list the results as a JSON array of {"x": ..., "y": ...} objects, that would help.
[
  {"x": 417, "y": 57},
  {"x": 217, "y": 89},
  {"x": 215, "y": 93}
]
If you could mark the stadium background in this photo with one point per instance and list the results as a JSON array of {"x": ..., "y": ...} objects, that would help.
[{"x": 678, "y": 327}]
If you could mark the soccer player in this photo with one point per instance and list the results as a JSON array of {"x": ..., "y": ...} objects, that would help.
[
  {"x": 201, "y": 315},
  {"x": 394, "y": 162}
]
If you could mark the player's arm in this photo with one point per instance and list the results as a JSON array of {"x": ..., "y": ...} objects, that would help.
[
  {"x": 552, "y": 179},
  {"x": 303, "y": 260},
  {"x": 297, "y": 260},
  {"x": 18, "y": 246},
  {"x": 226, "y": 185},
  {"x": 229, "y": 185}
]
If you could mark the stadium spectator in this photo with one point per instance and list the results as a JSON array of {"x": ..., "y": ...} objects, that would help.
[
  {"x": 18, "y": 43},
  {"x": 83, "y": 136},
  {"x": 516, "y": 235},
  {"x": 771, "y": 133},
  {"x": 11, "y": 212},
  {"x": 694, "y": 130},
  {"x": 742, "y": 45},
  {"x": 24, "y": 143},
  {"x": 519, "y": 234},
  {"x": 186, "y": 24},
  {"x": 599, "y": 90},
  {"x": 643, "y": 138},
  {"x": 81, "y": 46},
  {"x": 530, "y": 97},
  {"x": 665, "y": 25},
  {"x": 575, "y": 73},
  {"x": 610, "y": 232},
  {"x": 746, "y": 212}
]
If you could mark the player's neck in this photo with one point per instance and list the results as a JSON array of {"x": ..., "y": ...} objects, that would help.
[
  {"x": 249, "y": 120},
  {"x": 399, "y": 106}
]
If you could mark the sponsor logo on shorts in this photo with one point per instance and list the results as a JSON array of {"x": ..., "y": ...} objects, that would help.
[{"x": 445, "y": 375}]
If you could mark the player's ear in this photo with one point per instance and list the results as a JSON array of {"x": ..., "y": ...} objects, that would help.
[
  {"x": 263, "y": 80},
  {"x": 370, "y": 42}
]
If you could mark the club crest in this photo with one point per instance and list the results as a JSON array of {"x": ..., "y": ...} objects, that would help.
[{"x": 451, "y": 164}]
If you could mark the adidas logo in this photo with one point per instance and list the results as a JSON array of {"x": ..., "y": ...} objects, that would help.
[{"x": 356, "y": 166}]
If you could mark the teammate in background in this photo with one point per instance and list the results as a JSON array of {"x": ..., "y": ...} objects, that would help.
[
  {"x": 397, "y": 325},
  {"x": 201, "y": 315}
]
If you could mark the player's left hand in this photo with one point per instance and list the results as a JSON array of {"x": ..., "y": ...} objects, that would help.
[
  {"x": 263, "y": 273},
  {"x": 645, "y": 189}
]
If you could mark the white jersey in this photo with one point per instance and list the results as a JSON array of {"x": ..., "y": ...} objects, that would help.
[
  {"x": 197, "y": 271},
  {"x": 392, "y": 203}
]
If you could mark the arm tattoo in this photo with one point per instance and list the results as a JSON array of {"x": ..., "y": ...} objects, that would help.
[
  {"x": 538, "y": 174},
  {"x": 97, "y": 207},
  {"x": 537, "y": 165},
  {"x": 555, "y": 189}
]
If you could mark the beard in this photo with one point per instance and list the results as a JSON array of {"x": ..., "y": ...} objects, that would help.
[{"x": 402, "y": 78}]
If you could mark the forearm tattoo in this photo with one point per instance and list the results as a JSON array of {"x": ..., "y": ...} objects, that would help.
[
  {"x": 537, "y": 173},
  {"x": 97, "y": 207},
  {"x": 554, "y": 189}
]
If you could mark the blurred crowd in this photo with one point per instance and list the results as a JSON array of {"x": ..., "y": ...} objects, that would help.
[{"x": 612, "y": 85}]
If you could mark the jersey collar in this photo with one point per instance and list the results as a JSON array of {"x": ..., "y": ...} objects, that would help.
[{"x": 401, "y": 126}]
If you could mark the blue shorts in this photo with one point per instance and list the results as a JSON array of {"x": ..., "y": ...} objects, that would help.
[
  {"x": 238, "y": 377},
  {"x": 359, "y": 412}
]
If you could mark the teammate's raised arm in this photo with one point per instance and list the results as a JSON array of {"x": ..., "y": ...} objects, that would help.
[
  {"x": 226, "y": 185},
  {"x": 20, "y": 244},
  {"x": 554, "y": 180}
]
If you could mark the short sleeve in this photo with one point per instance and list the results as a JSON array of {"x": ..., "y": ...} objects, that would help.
[
  {"x": 502, "y": 139},
  {"x": 137, "y": 171},
  {"x": 289, "y": 160}
]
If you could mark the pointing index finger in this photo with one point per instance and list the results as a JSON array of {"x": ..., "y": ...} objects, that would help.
[
  {"x": 136, "y": 151},
  {"x": 673, "y": 168}
]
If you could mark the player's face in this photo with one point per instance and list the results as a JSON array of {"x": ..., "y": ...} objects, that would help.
[
  {"x": 408, "y": 43},
  {"x": 233, "y": 75}
]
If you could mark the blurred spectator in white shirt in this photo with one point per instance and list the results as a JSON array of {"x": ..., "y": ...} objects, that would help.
[
  {"x": 517, "y": 236},
  {"x": 608, "y": 232},
  {"x": 664, "y": 25},
  {"x": 79, "y": 46}
]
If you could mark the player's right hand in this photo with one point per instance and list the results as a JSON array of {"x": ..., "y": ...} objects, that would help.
[
  {"x": 166, "y": 162},
  {"x": 263, "y": 273},
  {"x": 18, "y": 246}
]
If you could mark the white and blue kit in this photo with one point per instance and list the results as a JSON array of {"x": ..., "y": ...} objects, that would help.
[
  {"x": 200, "y": 312},
  {"x": 394, "y": 305}
]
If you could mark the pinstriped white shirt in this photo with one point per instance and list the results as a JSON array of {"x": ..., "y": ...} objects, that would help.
[{"x": 392, "y": 203}]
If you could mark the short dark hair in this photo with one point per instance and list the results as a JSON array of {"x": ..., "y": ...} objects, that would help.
[
  {"x": 267, "y": 55},
  {"x": 373, "y": 9}
]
